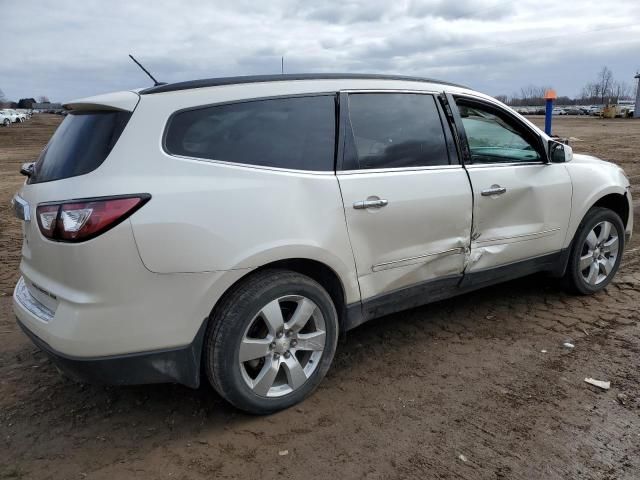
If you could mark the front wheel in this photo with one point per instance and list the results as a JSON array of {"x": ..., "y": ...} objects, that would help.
[
  {"x": 596, "y": 252},
  {"x": 271, "y": 341}
]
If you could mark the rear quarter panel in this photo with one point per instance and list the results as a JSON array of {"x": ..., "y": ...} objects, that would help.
[{"x": 207, "y": 216}]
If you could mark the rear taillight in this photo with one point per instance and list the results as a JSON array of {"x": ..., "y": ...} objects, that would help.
[{"x": 80, "y": 220}]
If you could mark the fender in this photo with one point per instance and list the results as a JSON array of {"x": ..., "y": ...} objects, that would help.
[{"x": 592, "y": 179}]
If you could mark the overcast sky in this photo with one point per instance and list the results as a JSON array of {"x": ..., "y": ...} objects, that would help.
[{"x": 68, "y": 48}]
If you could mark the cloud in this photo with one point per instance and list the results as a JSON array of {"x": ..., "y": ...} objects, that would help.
[
  {"x": 72, "y": 49},
  {"x": 461, "y": 9}
]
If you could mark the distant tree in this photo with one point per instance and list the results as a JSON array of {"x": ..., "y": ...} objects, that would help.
[
  {"x": 43, "y": 99},
  {"x": 590, "y": 92},
  {"x": 605, "y": 81},
  {"x": 26, "y": 103},
  {"x": 2, "y": 97},
  {"x": 605, "y": 88},
  {"x": 502, "y": 98},
  {"x": 564, "y": 100},
  {"x": 531, "y": 95},
  {"x": 621, "y": 90}
]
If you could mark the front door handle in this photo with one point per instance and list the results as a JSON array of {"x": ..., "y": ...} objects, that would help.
[
  {"x": 494, "y": 190},
  {"x": 379, "y": 203}
]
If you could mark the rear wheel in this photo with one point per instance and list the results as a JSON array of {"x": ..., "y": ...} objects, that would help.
[
  {"x": 597, "y": 251},
  {"x": 6, "y": 122},
  {"x": 271, "y": 341}
]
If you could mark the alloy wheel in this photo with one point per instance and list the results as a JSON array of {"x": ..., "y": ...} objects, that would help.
[
  {"x": 599, "y": 253},
  {"x": 282, "y": 346}
]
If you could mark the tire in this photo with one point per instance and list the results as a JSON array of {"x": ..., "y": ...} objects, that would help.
[
  {"x": 594, "y": 259},
  {"x": 6, "y": 122},
  {"x": 291, "y": 355}
]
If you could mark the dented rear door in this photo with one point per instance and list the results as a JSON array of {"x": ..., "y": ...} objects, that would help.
[{"x": 407, "y": 200}]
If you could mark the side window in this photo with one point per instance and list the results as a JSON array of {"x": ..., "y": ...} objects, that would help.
[
  {"x": 493, "y": 138},
  {"x": 394, "y": 130},
  {"x": 296, "y": 133}
]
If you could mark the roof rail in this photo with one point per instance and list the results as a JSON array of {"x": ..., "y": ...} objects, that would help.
[{"x": 215, "y": 82}]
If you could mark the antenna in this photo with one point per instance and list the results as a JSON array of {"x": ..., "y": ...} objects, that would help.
[
  {"x": 155, "y": 82},
  {"x": 282, "y": 65}
]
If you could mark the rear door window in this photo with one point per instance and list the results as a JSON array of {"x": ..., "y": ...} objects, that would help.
[
  {"x": 294, "y": 133},
  {"x": 80, "y": 145},
  {"x": 396, "y": 130}
]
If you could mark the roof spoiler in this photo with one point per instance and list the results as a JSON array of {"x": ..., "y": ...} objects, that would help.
[{"x": 124, "y": 101}]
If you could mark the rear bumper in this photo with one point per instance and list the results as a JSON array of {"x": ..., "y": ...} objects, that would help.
[{"x": 176, "y": 365}]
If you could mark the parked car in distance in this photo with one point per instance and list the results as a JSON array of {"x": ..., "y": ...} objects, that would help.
[
  {"x": 596, "y": 110},
  {"x": 10, "y": 114},
  {"x": 238, "y": 226},
  {"x": 559, "y": 111},
  {"x": 623, "y": 108},
  {"x": 573, "y": 111},
  {"x": 15, "y": 116},
  {"x": 24, "y": 112},
  {"x": 5, "y": 118}
]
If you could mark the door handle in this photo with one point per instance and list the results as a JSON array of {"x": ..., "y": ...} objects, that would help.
[
  {"x": 494, "y": 190},
  {"x": 361, "y": 205}
]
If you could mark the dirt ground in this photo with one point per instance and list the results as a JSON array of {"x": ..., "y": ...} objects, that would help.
[{"x": 458, "y": 389}]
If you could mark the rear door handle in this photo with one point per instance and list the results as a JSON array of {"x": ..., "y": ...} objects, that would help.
[
  {"x": 494, "y": 190},
  {"x": 381, "y": 202}
]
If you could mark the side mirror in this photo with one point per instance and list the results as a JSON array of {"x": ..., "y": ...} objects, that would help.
[{"x": 559, "y": 152}]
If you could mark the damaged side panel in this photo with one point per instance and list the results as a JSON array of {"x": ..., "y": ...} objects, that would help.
[
  {"x": 527, "y": 220},
  {"x": 422, "y": 233}
]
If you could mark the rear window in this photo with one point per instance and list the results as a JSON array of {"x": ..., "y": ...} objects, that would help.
[
  {"x": 295, "y": 133},
  {"x": 397, "y": 130},
  {"x": 80, "y": 144}
]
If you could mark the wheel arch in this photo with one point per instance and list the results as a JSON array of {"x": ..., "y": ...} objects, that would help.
[
  {"x": 613, "y": 200},
  {"x": 319, "y": 271},
  {"x": 616, "y": 202}
]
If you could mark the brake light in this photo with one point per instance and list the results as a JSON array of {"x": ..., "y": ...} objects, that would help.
[{"x": 80, "y": 220}]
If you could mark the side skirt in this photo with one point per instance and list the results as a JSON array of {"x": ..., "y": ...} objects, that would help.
[{"x": 450, "y": 286}]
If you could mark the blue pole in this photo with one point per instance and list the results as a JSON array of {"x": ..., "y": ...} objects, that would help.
[{"x": 547, "y": 116}]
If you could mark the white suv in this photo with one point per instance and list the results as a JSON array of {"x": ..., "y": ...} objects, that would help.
[{"x": 237, "y": 226}]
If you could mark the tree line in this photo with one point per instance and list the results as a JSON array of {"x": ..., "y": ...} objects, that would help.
[
  {"x": 22, "y": 103},
  {"x": 602, "y": 90}
]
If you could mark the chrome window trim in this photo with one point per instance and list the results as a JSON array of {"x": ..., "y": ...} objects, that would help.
[
  {"x": 225, "y": 163},
  {"x": 400, "y": 169},
  {"x": 391, "y": 90},
  {"x": 507, "y": 164}
]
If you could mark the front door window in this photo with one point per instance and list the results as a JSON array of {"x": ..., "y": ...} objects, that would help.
[{"x": 493, "y": 139}]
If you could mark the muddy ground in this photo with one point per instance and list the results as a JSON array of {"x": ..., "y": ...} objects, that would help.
[{"x": 458, "y": 389}]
